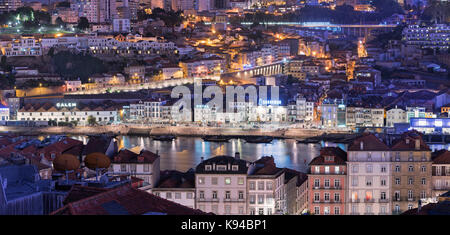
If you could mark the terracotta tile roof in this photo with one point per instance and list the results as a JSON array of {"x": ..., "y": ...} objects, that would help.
[
  {"x": 290, "y": 173},
  {"x": 125, "y": 200},
  {"x": 176, "y": 179},
  {"x": 408, "y": 142},
  {"x": 340, "y": 156},
  {"x": 266, "y": 166},
  {"x": 441, "y": 157},
  {"x": 58, "y": 147},
  {"x": 78, "y": 192},
  {"x": 369, "y": 143},
  {"x": 97, "y": 144},
  {"x": 127, "y": 156}
]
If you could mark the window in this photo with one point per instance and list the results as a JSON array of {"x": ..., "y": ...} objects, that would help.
[
  {"x": 261, "y": 211},
  {"x": 214, "y": 194},
  {"x": 327, "y": 183},
  {"x": 317, "y": 210},
  {"x": 157, "y": 194},
  {"x": 241, "y": 210},
  {"x": 397, "y": 180},
  {"x": 168, "y": 195},
  {"x": 252, "y": 199},
  {"x": 202, "y": 194},
  {"x": 234, "y": 168},
  {"x": 146, "y": 168},
  {"x": 337, "y": 210},
  {"x": 410, "y": 194},
  {"x": 269, "y": 211},
  {"x": 208, "y": 168},
  {"x": 337, "y": 183},
  {"x": 177, "y": 195},
  {"x": 241, "y": 195},
  {"x": 423, "y": 195},
  {"x": 269, "y": 186},
  {"x": 214, "y": 180},
  {"x": 227, "y": 209},
  {"x": 423, "y": 169},
  {"x": 383, "y": 196},
  {"x": 397, "y": 195},
  {"x": 316, "y": 183},
  {"x": 252, "y": 185},
  {"x": 317, "y": 169},
  {"x": 336, "y": 169},
  {"x": 123, "y": 167},
  {"x": 261, "y": 185},
  {"x": 227, "y": 194},
  {"x": 252, "y": 211},
  {"x": 355, "y": 181},
  {"x": 410, "y": 180},
  {"x": 383, "y": 168},
  {"x": 327, "y": 170},
  {"x": 397, "y": 168},
  {"x": 355, "y": 169},
  {"x": 397, "y": 208},
  {"x": 227, "y": 180},
  {"x": 410, "y": 206},
  {"x": 240, "y": 181},
  {"x": 368, "y": 181},
  {"x": 201, "y": 180},
  {"x": 383, "y": 182},
  {"x": 337, "y": 197},
  {"x": 410, "y": 168},
  {"x": 326, "y": 197},
  {"x": 316, "y": 197},
  {"x": 369, "y": 168},
  {"x": 260, "y": 199},
  {"x": 326, "y": 210},
  {"x": 189, "y": 195}
]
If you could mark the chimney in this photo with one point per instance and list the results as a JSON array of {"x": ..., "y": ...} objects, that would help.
[
  {"x": 237, "y": 155},
  {"x": 202, "y": 159},
  {"x": 417, "y": 144},
  {"x": 361, "y": 145}
]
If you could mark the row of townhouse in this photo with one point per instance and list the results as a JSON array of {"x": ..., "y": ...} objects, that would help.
[{"x": 374, "y": 178}]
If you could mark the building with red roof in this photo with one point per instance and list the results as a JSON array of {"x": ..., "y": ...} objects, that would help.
[
  {"x": 144, "y": 165},
  {"x": 440, "y": 173},
  {"x": 177, "y": 186},
  {"x": 327, "y": 182},
  {"x": 124, "y": 200}
]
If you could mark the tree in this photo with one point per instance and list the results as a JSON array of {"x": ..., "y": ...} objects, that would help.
[
  {"x": 83, "y": 23},
  {"x": 91, "y": 120}
]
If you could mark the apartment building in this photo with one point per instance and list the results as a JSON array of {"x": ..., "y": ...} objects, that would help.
[
  {"x": 327, "y": 182},
  {"x": 434, "y": 36},
  {"x": 440, "y": 175},
  {"x": 395, "y": 115},
  {"x": 143, "y": 165},
  {"x": 203, "y": 67},
  {"x": 364, "y": 117},
  {"x": 265, "y": 183},
  {"x": 23, "y": 46},
  {"x": 221, "y": 185},
  {"x": 411, "y": 176},
  {"x": 10, "y": 5},
  {"x": 177, "y": 186},
  {"x": 369, "y": 176}
]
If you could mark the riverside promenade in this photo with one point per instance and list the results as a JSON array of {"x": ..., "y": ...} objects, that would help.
[{"x": 143, "y": 130}]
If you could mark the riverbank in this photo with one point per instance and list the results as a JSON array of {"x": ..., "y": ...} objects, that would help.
[{"x": 168, "y": 130}]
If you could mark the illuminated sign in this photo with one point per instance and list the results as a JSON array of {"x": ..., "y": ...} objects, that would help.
[
  {"x": 66, "y": 105},
  {"x": 269, "y": 102}
]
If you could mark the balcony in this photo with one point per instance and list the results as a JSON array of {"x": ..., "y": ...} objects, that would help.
[
  {"x": 354, "y": 200},
  {"x": 208, "y": 200},
  {"x": 233, "y": 200},
  {"x": 369, "y": 200},
  {"x": 327, "y": 188},
  {"x": 383, "y": 200},
  {"x": 327, "y": 201}
]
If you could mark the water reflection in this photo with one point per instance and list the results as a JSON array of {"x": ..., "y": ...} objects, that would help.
[{"x": 186, "y": 152}]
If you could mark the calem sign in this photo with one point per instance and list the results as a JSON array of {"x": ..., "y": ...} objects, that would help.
[{"x": 66, "y": 105}]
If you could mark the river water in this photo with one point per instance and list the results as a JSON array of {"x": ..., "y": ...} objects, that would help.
[{"x": 186, "y": 152}]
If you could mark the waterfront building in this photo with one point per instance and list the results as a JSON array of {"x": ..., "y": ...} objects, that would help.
[
  {"x": 304, "y": 110},
  {"x": 177, "y": 186},
  {"x": 296, "y": 189},
  {"x": 333, "y": 113},
  {"x": 369, "y": 177},
  {"x": 364, "y": 117},
  {"x": 221, "y": 185},
  {"x": 265, "y": 182},
  {"x": 440, "y": 174},
  {"x": 327, "y": 182},
  {"x": 415, "y": 112},
  {"x": 68, "y": 112},
  {"x": 395, "y": 115},
  {"x": 149, "y": 110},
  {"x": 143, "y": 165},
  {"x": 136, "y": 73},
  {"x": 411, "y": 172}
]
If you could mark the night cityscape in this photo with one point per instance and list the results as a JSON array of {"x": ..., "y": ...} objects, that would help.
[{"x": 225, "y": 107}]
